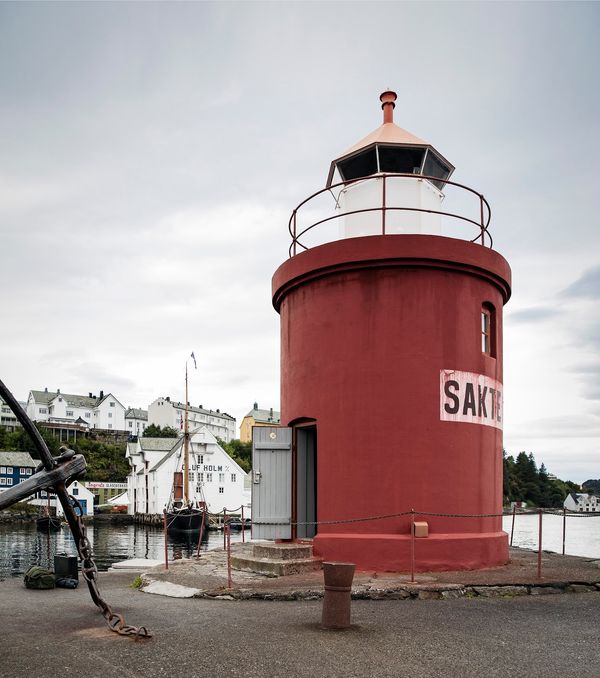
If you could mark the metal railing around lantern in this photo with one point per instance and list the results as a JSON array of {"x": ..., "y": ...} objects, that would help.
[{"x": 482, "y": 224}]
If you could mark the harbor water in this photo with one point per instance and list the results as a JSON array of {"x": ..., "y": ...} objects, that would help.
[{"x": 21, "y": 545}]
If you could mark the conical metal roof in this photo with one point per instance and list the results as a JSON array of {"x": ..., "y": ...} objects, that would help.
[{"x": 388, "y": 133}]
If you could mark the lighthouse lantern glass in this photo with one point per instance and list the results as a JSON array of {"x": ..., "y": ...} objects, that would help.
[
  {"x": 362, "y": 164},
  {"x": 403, "y": 160}
]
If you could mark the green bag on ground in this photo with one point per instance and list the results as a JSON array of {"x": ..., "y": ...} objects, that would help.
[{"x": 38, "y": 577}]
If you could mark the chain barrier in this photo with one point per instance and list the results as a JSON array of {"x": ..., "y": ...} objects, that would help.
[{"x": 554, "y": 512}]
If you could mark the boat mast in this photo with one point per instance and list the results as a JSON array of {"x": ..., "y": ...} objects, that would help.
[{"x": 186, "y": 451}]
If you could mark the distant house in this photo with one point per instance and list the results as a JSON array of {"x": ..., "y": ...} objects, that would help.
[
  {"x": 214, "y": 477},
  {"x": 136, "y": 421},
  {"x": 8, "y": 419},
  {"x": 581, "y": 502},
  {"x": 15, "y": 467},
  {"x": 165, "y": 412},
  {"x": 103, "y": 412},
  {"x": 257, "y": 417}
]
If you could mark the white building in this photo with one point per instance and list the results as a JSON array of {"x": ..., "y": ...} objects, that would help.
[
  {"x": 581, "y": 502},
  {"x": 214, "y": 477},
  {"x": 101, "y": 412},
  {"x": 162, "y": 412},
  {"x": 8, "y": 419},
  {"x": 136, "y": 421}
]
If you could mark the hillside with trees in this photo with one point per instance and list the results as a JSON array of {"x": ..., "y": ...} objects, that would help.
[
  {"x": 524, "y": 481},
  {"x": 591, "y": 486},
  {"x": 105, "y": 461}
]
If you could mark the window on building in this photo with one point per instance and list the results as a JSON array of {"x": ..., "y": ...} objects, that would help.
[
  {"x": 110, "y": 426},
  {"x": 488, "y": 329},
  {"x": 198, "y": 489},
  {"x": 110, "y": 415},
  {"x": 112, "y": 404},
  {"x": 201, "y": 461},
  {"x": 69, "y": 413},
  {"x": 75, "y": 491},
  {"x": 221, "y": 490},
  {"x": 2, "y": 469},
  {"x": 192, "y": 476},
  {"x": 209, "y": 477},
  {"x": 201, "y": 477},
  {"x": 221, "y": 477},
  {"x": 23, "y": 471},
  {"x": 88, "y": 415},
  {"x": 43, "y": 410},
  {"x": 233, "y": 477},
  {"x": 3, "y": 481},
  {"x": 130, "y": 424},
  {"x": 6, "y": 410}
]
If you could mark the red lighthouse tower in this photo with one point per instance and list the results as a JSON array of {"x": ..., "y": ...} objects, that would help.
[{"x": 391, "y": 363}]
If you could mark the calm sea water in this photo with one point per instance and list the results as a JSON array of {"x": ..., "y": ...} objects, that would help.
[
  {"x": 582, "y": 534},
  {"x": 22, "y": 545}
]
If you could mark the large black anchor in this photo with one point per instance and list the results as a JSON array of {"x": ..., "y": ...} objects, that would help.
[{"x": 53, "y": 475}]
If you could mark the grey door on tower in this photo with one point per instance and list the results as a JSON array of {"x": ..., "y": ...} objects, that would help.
[{"x": 271, "y": 482}]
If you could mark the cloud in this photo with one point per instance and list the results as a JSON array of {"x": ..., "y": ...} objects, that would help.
[
  {"x": 533, "y": 315},
  {"x": 587, "y": 286}
]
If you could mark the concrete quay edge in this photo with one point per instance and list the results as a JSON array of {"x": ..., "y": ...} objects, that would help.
[{"x": 207, "y": 578}]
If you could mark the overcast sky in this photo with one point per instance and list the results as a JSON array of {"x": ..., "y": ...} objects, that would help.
[{"x": 150, "y": 156}]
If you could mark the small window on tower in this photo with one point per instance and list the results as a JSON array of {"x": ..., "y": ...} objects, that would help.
[{"x": 488, "y": 330}]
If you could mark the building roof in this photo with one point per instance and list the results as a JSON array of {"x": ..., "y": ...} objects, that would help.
[
  {"x": 157, "y": 444},
  {"x": 181, "y": 406},
  {"x": 388, "y": 133},
  {"x": 45, "y": 397},
  {"x": 136, "y": 413},
  {"x": 10, "y": 458},
  {"x": 269, "y": 416}
]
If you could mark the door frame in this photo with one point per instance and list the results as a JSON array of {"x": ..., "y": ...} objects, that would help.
[{"x": 303, "y": 423}]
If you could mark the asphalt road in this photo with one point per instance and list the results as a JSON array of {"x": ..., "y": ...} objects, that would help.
[{"x": 60, "y": 633}]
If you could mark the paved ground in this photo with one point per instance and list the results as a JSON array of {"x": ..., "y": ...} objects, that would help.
[{"x": 60, "y": 633}]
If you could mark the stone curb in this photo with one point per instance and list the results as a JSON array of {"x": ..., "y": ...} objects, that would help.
[{"x": 402, "y": 592}]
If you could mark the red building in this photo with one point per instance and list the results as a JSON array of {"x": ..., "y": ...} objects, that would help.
[{"x": 391, "y": 362}]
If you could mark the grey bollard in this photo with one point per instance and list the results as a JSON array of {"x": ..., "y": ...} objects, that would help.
[{"x": 336, "y": 602}]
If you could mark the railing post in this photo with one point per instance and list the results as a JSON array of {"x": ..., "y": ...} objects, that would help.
[
  {"x": 243, "y": 535},
  {"x": 201, "y": 533},
  {"x": 383, "y": 208},
  {"x": 481, "y": 213},
  {"x": 228, "y": 532},
  {"x": 512, "y": 529},
  {"x": 564, "y": 529},
  {"x": 539, "y": 569},
  {"x": 412, "y": 545},
  {"x": 166, "y": 547},
  {"x": 294, "y": 232}
]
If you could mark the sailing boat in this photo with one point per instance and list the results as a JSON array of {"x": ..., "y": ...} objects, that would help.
[{"x": 183, "y": 515}]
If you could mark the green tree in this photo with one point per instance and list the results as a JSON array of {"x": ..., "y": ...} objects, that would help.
[
  {"x": 240, "y": 452},
  {"x": 154, "y": 431}
]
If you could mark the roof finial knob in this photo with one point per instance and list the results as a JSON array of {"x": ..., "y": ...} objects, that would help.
[{"x": 388, "y": 99}]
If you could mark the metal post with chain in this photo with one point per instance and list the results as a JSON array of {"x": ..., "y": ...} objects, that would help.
[{"x": 52, "y": 475}]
